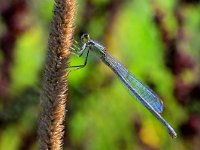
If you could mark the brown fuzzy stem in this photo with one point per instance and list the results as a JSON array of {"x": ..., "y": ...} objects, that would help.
[{"x": 54, "y": 91}]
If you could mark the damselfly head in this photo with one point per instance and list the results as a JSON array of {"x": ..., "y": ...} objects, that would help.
[{"x": 85, "y": 38}]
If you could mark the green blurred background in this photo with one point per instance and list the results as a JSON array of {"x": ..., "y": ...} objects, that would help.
[{"x": 158, "y": 41}]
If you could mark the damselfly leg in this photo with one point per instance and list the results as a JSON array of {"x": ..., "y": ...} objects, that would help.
[
  {"x": 75, "y": 48},
  {"x": 79, "y": 52},
  {"x": 83, "y": 65}
]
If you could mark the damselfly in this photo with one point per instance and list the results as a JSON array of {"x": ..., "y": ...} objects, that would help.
[{"x": 142, "y": 93}]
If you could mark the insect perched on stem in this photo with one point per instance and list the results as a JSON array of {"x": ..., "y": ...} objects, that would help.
[{"x": 141, "y": 92}]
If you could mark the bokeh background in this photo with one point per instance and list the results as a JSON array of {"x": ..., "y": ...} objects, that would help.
[{"x": 158, "y": 41}]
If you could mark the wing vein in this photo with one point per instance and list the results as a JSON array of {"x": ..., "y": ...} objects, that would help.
[{"x": 142, "y": 93}]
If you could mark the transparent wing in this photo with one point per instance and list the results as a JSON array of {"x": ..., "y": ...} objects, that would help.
[{"x": 143, "y": 94}]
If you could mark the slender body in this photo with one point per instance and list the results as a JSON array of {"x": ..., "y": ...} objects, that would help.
[{"x": 142, "y": 93}]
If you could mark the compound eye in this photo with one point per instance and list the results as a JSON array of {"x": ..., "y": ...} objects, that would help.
[{"x": 85, "y": 38}]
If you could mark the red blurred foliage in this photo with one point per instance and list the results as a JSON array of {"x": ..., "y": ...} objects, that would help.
[
  {"x": 191, "y": 127},
  {"x": 28, "y": 139},
  {"x": 12, "y": 14},
  {"x": 191, "y": 1},
  {"x": 182, "y": 91},
  {"x": 178, "y": 61},
  {"x": 195, "y": 92}
]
